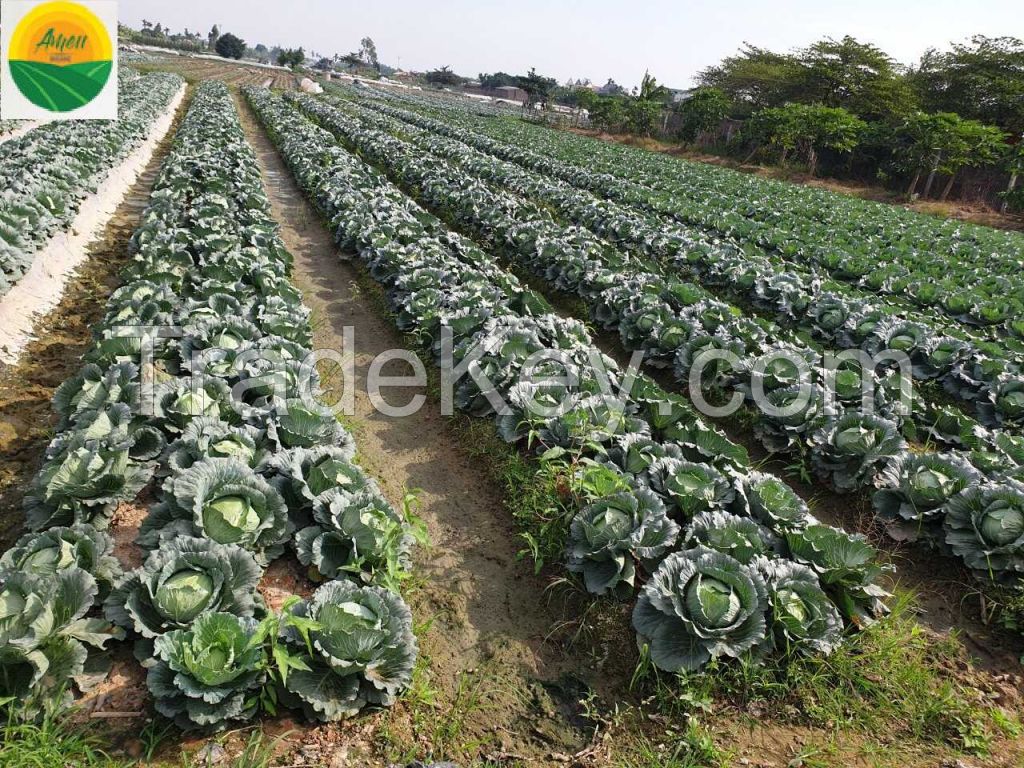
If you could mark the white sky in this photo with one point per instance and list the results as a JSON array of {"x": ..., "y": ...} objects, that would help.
[{"x": 572, "y": 38}]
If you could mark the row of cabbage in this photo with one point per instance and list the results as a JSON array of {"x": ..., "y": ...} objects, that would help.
[
  {"x": 968, "y": 271},
  {"x": 728, "y": 561},
  {"x": 220, "y": 411},
  {"x": 954, "y": 499},
  {"x": 48, "y": 172},
  {"x": 983, "y": 375},
  {"x": 887, "y": 249},
  {"x": 782, "y": 298},
  {"x": 8, "y": 126},
  {"x": 972, "y": 374}
]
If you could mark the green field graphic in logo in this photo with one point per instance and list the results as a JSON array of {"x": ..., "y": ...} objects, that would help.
[{"x": 60, "y": 88}]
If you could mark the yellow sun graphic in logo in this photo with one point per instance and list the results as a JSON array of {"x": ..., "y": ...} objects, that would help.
[{"x": 60, "y": 56}]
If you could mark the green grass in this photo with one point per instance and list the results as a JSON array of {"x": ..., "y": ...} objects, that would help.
[
  {"x": 693, "y": 747},
  {"x": 60, "y": 88},
  {"x": 52, "y": 743},
  {"x": 893, "y": 680},
  {"x": 56, "y": 742}
]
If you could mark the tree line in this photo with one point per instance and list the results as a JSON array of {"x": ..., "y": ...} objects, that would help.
[{"x": 848, "y": 108}]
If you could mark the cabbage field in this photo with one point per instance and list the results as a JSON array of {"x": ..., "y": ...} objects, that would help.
[{"x": 735, "y": 472}]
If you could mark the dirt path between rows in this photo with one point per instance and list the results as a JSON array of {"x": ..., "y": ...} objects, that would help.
[{"x": 489, "y": 668}]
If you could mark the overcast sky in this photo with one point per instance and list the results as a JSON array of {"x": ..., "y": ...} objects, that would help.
[{"x": 595, "y": 39}]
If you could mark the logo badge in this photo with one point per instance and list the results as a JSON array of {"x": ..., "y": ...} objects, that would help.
[{"x": 59, "y": 60}]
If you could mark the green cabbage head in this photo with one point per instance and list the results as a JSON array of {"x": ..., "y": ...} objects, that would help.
[
  {"x": 607, "y": 537},
  {"x": 700, "y": 605},
  {"x": 223, "y": 500},
  {"x": 180, "y": 582},
  {"x": 363, "y": 651},
  {"x": 985, "y": 526},
  {"x": 208, "y": 675}
]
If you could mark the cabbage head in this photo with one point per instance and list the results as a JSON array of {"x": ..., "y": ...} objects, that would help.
[
  {"x": 223, "y": 500},
  {"x": 700, "y": 605},
  {"x": 357, "y": 535},
  {"x": 208, "y": 675},
  {"x": 608, "y": 536},
  {"x": 916, "y": 487},
  {"x": 739, "y": 537},
  {"x": 849, "y": 451},
  {"x": 802, "y": 618},
  {"x": 304, "y": 474},
  {"x": 771, "y": 502},
  {"x": 182, "y": 580},
  {"x": 363, "y": 651},
  {"x": 82, "y": 482},
  {"x": 45, "y": 636},
  {"x": 985, "y": 526},
  {"x": 691, "y": 488},
  {"x": 80, "y": 546},
  {"x": 298, "y": 425},
  {"x": 206, "y": 437},
  {"x": 847, "y": 566}
]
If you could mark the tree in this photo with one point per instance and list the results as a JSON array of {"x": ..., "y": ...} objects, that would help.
[
  {"x": 651, "y": 90},
  {"x": 806, "y": 129},
  {"x": 982, "y": 81},
  {"x": 212, "y": 37},
  {"x": 608, "y": 113},
  {"x": 291, "y": 57},
  {"x": 702, "y": 112},
  {"x": 583, "y": 99},
  {"x": 1013, "y": 197},
  {"x": 497, "y": 80},
  {"x": 644, "y": 109},
  {"x": 351, "y": 60},
  {"x": 642, "y": 115},
  {"x": 611, "y": 88},
  {"x": 537, "y": 87},
  {"x": 443, "y": 76},
  {"x": 755, "y": 78},
  {"x": 944, "y": 143},
  {"x": 230, "y": 46},
  {"x": 856, "y": 76},
  {"x": 368, "y": 53}
]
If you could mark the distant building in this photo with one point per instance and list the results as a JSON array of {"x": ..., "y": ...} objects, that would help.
[
  {"x": 511, "y": 93},
  {"x": 680, "y": 94}
]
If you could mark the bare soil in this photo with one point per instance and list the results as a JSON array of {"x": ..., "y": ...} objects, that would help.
[{"x": 194, "y": 70}]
